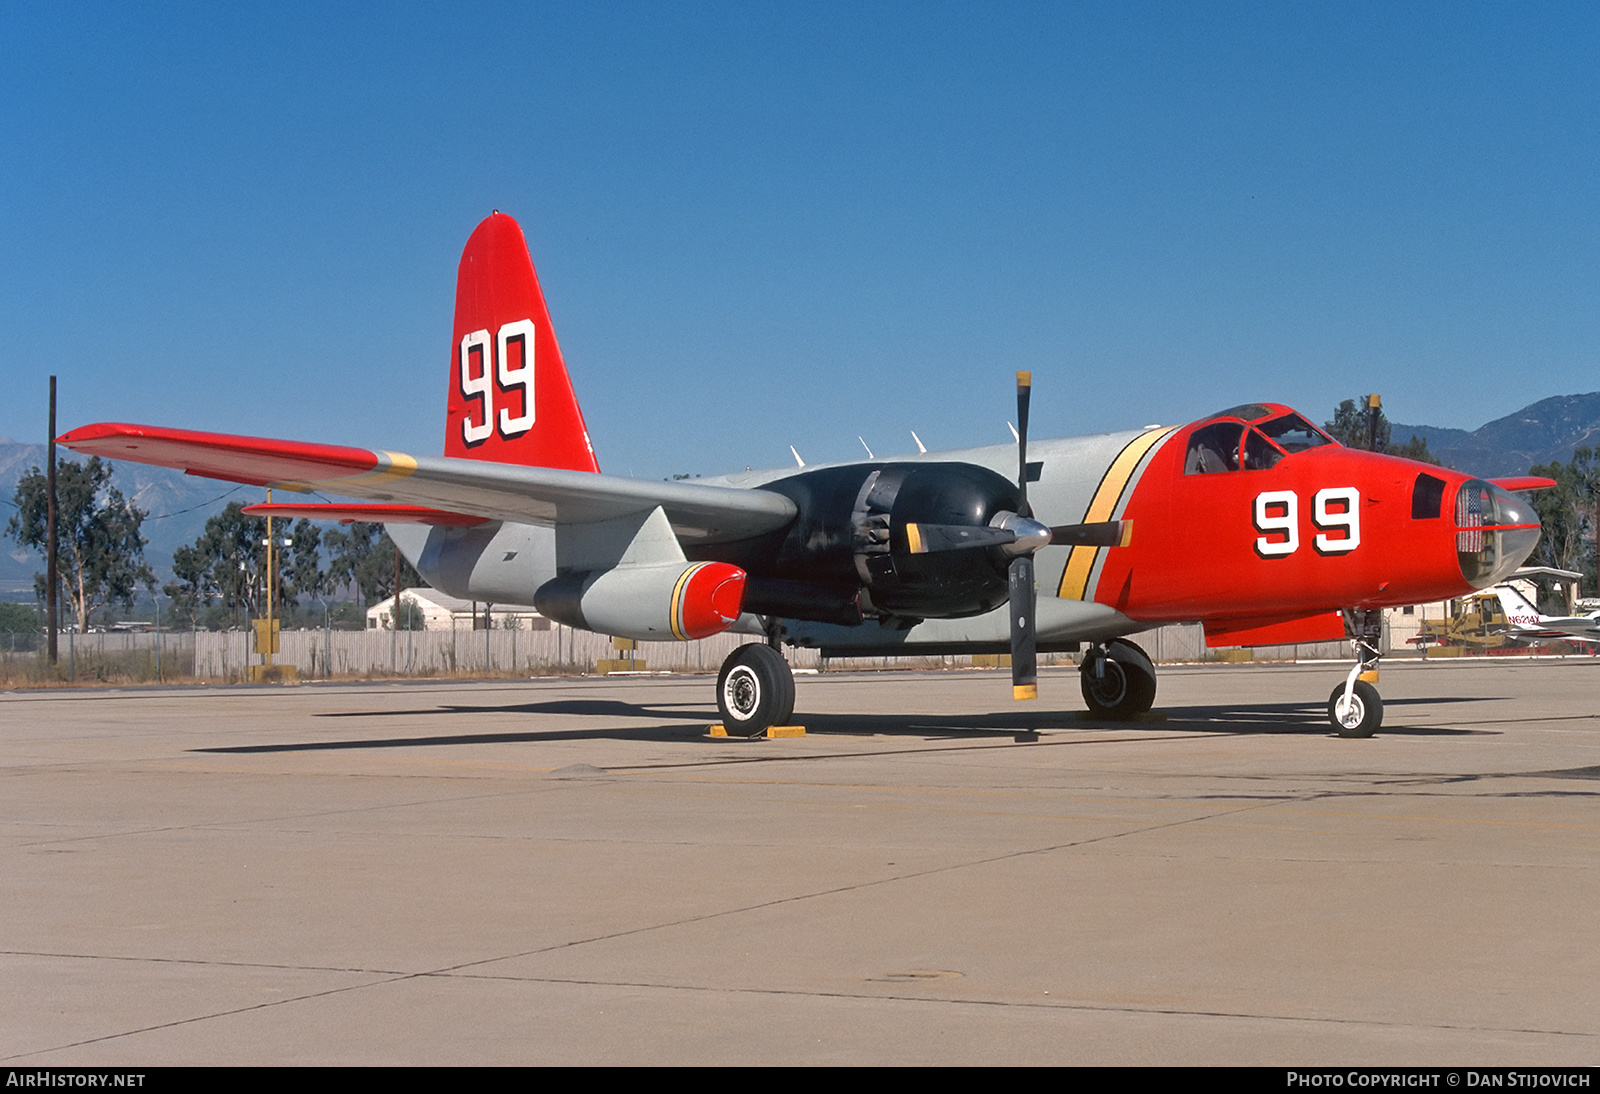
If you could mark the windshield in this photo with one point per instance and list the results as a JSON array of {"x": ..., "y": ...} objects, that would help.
[{"x": 1293, "y": 433}]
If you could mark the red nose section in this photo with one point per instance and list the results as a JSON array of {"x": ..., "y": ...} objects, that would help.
[
  {"x": 709, "y": 600},
  {"x": 510, "y": 397}
]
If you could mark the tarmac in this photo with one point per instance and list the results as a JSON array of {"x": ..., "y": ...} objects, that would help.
[{"x": 566, "y": 871}]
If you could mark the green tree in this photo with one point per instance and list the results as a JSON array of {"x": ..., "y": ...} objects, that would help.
[
  {"x": 20, "y": 625},
  {"x": 364, "y": 556},
  {"x": 228, "y": 564},
  {"x": 1567, "y": 512},
  {"x": 408, "y": 617},
  {"x": 1349, "y": 428},
  {"x": 99, "y": 551},
  {"x": 1349, "y": 425},
  {"x": 300, "y": 563},
  {"x": 19, "y": 618}
]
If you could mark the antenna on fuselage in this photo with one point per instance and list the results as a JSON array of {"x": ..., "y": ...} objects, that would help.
[
  {"x": 796, "y": 456},
  {"x": 920, "y": 446}
]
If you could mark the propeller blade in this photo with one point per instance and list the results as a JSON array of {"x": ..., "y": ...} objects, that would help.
[
  {"x": 1024, "y": 394},
  {"x": 1016, "y": 535},
  {"x": 1106, "y": 533},
  {"x": 926, "y": 539},
  {"x": 1024, "y": 645}
]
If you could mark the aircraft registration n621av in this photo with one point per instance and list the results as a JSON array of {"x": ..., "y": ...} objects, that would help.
[
  {"x": 1251, "y": 521},
  {"x": 1526, "y": 623}
]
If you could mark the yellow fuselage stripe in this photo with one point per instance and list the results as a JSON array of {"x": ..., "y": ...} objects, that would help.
[{"x": 1075, "y": 578}]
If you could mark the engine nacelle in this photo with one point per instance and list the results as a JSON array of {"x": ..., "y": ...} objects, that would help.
[
  {"x": 850, "y": 541},
  {"x": 664, "y": 601}
]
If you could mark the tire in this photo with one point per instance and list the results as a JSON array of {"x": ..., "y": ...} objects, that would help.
[
  {"x": 1126, "y": 689},
  {"x": 1365, "y": 715},
  {"x": 755, "y": 689}
]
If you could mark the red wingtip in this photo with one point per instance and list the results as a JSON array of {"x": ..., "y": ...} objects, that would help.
[
  {"x": 1524, "y": 482},
  {"x": 510, "y": 399}
]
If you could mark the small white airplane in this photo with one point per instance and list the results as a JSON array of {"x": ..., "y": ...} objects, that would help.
[{"x": 1526, "y": 623}]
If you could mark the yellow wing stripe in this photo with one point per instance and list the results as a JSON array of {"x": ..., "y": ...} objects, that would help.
[
  {"x": 391, "y": 466},
  {"x": 1075, "y": 578}
]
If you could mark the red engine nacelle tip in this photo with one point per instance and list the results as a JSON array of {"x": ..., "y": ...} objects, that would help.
[{"x": 709, "y": 599}]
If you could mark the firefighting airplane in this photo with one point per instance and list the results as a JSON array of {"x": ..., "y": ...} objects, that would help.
[
  {"x": 1526, "y": 623},
  {"x": 1251, "y": 521}
]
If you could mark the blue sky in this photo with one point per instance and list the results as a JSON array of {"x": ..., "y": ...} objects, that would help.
[{"x": 760, "y": 225}]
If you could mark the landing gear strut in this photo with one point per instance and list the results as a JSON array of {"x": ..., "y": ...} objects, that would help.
[
  {"x": 1118, "y": 680},
  {"x": 1355, "y": 708},
  {"x": 755, "y": 688}
]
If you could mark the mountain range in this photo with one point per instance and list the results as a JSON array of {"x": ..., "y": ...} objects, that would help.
[
  {"x": 178, "y": 505},
  {"x": 1537, "y": 434}
]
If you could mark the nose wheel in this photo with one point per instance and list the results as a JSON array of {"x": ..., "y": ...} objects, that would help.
[{"x": 1355, "y": 708}]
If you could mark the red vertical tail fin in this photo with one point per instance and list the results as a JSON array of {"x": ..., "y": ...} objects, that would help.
[{"x": 511, "y": 400}]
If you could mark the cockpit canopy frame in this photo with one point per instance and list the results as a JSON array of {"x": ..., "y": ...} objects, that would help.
[{"x": 1252, "y": 437}]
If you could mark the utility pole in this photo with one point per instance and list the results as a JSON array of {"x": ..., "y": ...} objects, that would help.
[
  {"x": 266, "y": 656},
  {"x": 51, "y": 605},
  {"x": 394, "y": 618}
]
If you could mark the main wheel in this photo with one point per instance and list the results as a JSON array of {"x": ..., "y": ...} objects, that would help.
[
  {"x": 755, "y": 689},
  {"x": 1364, "y": 715},
  {"x": 1125, "y": 687}
]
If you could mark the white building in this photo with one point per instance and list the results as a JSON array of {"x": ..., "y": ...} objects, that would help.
[{"x": 443, "y": 613}]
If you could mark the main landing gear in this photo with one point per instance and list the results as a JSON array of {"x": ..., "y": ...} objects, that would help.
[
  {"x": 1118, "y": 679},
  {"x": 755, "y": 689},
  {"x": 1355, "y": 708}
]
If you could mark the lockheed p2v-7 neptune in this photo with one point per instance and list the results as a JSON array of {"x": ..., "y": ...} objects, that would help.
[{"x": 1251, "y": 521}]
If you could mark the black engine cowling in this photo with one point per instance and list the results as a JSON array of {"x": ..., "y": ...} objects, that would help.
[{"x": 848, "y": 546}]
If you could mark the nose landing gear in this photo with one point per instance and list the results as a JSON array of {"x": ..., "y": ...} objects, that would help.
[{"x": 1354, "y": 708}]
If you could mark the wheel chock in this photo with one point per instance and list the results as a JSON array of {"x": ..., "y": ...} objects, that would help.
[{"x": 720, "y": 730}]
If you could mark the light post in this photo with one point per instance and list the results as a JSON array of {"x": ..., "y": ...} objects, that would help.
[{"x": 268, "y": 642}]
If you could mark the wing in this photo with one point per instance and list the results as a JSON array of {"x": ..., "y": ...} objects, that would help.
[
  {"x": 1577, "y": 627},
  {"x": 476, "y": 488}
]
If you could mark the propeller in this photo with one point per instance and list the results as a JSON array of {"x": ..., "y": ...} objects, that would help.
[
  {"x": 1019, "y": 536},
  {"x": 1031, "y": 536},
  {"x": 1019, "y": 575}
]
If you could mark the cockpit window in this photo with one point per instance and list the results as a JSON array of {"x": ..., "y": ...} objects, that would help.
[
  {"x": 1260, "y": 453},
  {"x": 1248, "y": 413},
  {"x": 1233, "y": 446},
  {"x": 1213, "y": 448},
  {"x": 1293, "y": 433}
]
